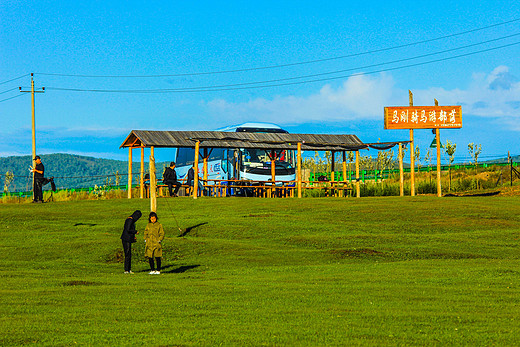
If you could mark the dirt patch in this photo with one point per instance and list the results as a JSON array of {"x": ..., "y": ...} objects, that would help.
[
  {"x": 116, "y": 257},
  {"x": 356, "y": 253},
  {"x": 265, "y": 215},
  {"x": 80, "y": 283}
]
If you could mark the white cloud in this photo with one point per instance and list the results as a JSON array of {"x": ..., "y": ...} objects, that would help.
[
  {"x": 495, "y": 94},
  {"x": 358, "y": 97}
]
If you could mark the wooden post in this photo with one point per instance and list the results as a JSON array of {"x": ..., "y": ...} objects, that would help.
[
  {"x": 412, "y": 154},
  {"x": 438, "y": 142},
  {"x": 273, "y": 172},
  {"x": 358, "y": 190},
  {"x": 205, "y": 169},
  {"x": 196, "y": 171},
  {"x": 141, "y": 195},
  {"x": 344, "y": 167},
  {"x": 299, "y": 170},
  {"x": 332, "y": 169},
  {"x": 153, "y": 182},
  {"x": 401, "y": 170},
  {"x": 205, "y": 166},
  {"x": 129, "y": 173}
]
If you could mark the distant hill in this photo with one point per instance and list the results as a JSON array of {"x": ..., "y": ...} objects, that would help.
[
  {"x": 515, "y": 159},
  {"x": 70, "y": 171}
]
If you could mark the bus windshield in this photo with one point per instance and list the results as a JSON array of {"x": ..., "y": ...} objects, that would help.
[{"x": 257, "y": 158}]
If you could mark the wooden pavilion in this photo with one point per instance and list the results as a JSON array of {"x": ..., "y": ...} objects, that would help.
[{"x": 271, "y": 142}]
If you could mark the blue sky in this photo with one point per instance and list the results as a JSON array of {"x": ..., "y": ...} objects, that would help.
[{"x": 174, "y": 46}]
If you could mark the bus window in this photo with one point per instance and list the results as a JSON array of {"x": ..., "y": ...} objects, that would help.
[{"x": 185, "y": 156}]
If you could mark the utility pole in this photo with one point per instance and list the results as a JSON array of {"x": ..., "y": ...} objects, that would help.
[{"x": 32, "y": 91}]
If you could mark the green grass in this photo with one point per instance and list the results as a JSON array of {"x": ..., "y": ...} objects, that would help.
[{"x": 275, "y": 272}]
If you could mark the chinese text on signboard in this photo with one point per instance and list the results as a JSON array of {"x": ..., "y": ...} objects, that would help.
[{"x": 423, "y": 117}]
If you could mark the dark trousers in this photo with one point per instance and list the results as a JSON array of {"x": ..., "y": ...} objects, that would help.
[
  {"x": 170, "y": 187},
  {"x": 152, "y": 265},
  {"x": 127, "y": 248},
  {"x": 37, "y": 190}
]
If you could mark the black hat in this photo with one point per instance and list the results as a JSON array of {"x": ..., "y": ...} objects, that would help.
[{"x": 37, "y": 157}]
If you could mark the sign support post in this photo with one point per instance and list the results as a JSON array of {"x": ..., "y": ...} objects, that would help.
[
  {"x": 412, "y": 154},
  {"x": 438, "y": 142},
  {"x": 424, "y": 117}
]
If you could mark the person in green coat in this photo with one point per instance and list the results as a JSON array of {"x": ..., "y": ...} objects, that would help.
[{"x": 153, "y": 236}]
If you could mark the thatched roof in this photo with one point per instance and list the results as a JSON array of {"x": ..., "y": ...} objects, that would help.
[{"x": 220, "y": 139}]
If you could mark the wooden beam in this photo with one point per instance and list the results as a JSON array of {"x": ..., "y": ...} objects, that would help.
[
  {"x": 273, "y": 172},
  {"x": 438, "y": 142},
  {"x": 412, "y": 154},
  {"x": 129, "y": 189},
  {"x": 153, "y": 182},
  {"x": 401, "y": 170},
  {"x": 205, "y": 159},
  {"x": 344, "y": 167},
  {"x": 141, "y": 184},
  {"x": 196, "y": 171},
  {"x": 299, "y": 170},
  {"x": 358, "y": 190}
]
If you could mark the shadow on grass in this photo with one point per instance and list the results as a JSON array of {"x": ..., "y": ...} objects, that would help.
[
  {"x": 189, "y": 229},
  {"x": 84, "y": 224},
  {"x": 180, "y": 269},
  {"x": 168, "y": 269},
  {"x": 469, "y": 195}
]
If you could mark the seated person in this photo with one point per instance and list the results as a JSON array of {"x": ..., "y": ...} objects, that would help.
[{"x": 170, "y": 179}]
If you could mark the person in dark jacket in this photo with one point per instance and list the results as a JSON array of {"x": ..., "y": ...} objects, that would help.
[
  {"x": 191, "y": 179},
  {"x": 39, "y": 180},
  {"x": 170, "y": 178},
  {"x": 128, "y": 237}
]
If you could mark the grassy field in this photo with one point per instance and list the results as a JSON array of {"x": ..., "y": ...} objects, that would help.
[{"x": 275, "y": 272}]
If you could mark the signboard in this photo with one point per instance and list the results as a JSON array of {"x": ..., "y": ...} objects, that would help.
[
  {"x": 434, "y": 143},
  {"x": 423, "y": 117}
]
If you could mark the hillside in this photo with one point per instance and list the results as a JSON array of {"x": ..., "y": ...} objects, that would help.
[{"x": 70, "y": 171}]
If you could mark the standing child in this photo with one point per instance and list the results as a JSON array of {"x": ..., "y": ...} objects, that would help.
[
  {"x": 128, "y": 237},
  {"x": 153, "y": 236}
]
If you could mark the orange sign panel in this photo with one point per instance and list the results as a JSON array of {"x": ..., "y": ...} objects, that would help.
[{"x": 423, "y": 117}]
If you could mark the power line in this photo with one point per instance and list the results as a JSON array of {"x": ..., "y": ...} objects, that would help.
[
  {"x": 14, "y": 79},
  {"x": 7, "y": 91},
  {"x": 288, "y": 64},
  {"x": 248, "y": 85},
  {"x": 12, "y": 97}
]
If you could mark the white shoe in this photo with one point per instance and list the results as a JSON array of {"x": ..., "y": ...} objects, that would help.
[
  {"x": 151, "y": 272},
  {"x": 157, "y": 272}
]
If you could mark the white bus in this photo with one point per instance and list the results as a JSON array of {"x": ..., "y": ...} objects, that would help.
[{"x": 240, "y": 163}]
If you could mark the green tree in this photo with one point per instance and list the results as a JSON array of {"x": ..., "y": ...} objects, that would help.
[
  {"x": 9, "y": 177},
  {"x": 450, "y": 148},
  {"x": 474, "y": 151},
  {"x": 428, "y": 160}
]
